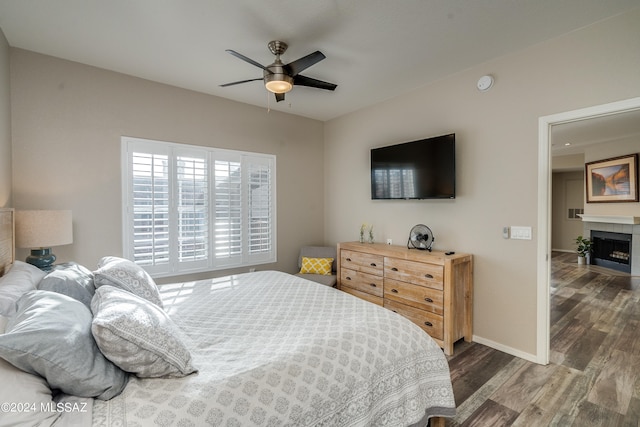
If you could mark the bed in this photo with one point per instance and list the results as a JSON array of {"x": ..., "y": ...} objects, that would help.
[{"x": 255, "y": 349}]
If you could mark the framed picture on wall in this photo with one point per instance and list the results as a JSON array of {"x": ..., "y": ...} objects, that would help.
[{"x": 612, "y": 180}]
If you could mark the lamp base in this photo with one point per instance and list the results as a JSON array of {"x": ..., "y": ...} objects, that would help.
[{"x": 41, "y": 258}]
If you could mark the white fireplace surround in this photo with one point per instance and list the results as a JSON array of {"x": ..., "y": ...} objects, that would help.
[
  {"x": 617, "y": 224},
  {"x": 611, "y": 219}
]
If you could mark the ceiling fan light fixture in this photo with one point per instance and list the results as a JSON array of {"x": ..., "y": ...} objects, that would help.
[
  {"x": 278, "y": 83},
  {"x": 279, "y": 78}
]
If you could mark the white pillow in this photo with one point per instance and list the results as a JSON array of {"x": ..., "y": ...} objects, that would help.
[
  {"x": 26, "y": 397},
  {"x": 20, "y": 279},
  {"x": 127, "y": 275},
  {"x": 137, "y": 335}
]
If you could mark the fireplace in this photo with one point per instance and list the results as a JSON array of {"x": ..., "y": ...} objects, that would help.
[
  {"x": 617, "y": 225},
  {"x": 611, "y": 250}
]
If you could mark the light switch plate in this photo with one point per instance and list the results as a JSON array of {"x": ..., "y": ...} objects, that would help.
[{"x": 520, "y": 232}]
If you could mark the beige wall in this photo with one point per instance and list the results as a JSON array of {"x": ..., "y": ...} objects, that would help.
[
  {"x": 497, "y": 163},
  {"x": 571, "y": 162},
  {"x": 5, "y": 125},
  {"x": 67, "y": 122}
]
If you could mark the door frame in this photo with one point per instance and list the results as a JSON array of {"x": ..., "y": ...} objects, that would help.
[{"x": 545, "y": 124}]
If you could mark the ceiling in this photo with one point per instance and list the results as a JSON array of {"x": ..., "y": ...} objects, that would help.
[
  {"x": 573, "y": 137},
  {"x": 375, "y": 49}
]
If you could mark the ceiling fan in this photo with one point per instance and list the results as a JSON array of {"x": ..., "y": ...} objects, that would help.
[{"x": 280, "y": 78}]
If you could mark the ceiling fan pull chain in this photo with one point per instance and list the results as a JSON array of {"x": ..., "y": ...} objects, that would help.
[{"x": 268, "y": 102}]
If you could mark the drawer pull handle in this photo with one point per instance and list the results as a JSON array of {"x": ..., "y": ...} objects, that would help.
[
  {"x": 348, "y": 259},
  {"x": 373, "y": 264},
  {"x": 395, "y": 291},
  {"x": 428, "y": 324},
  {"x": 428, "y": 276},
  {"x": 372, "y": 284},
  {"x": 348, "y": 278},
  {"x": 394, "y": 269},
  {"x": 428, "y": 299}
]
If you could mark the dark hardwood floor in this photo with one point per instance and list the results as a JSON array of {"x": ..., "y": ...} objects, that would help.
[{"x": 594, "y": 375}]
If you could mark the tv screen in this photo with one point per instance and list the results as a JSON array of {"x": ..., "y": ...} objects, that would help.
[{"x": 423, "y": 169}]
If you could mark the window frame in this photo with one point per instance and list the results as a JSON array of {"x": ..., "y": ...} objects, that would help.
[{"x": 266, "y": 164}]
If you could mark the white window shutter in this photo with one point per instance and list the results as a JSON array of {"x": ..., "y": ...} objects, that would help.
[
  {"x": 190, "y": 209},
  {"x": 228, "y": 211},
  {"x": 150, "y": 208},
  {"x": 260, "y": 212}
]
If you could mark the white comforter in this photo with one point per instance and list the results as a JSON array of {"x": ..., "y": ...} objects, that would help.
[{"x": 275, "y": 350}]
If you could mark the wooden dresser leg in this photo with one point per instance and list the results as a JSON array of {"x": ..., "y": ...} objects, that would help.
[
  {"x": 448, "y": 349},
  {"x": 436, "y": 422}
]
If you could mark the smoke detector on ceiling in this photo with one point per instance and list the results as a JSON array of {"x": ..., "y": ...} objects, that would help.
[{"x": 485, "y": 83}]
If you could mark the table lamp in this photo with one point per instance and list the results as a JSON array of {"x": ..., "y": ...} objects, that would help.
[{"x": 39, "y": 230}]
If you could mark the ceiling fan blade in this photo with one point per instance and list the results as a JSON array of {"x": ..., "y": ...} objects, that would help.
[
  {"x": 299, "y": 65},
  {"x": 279, "y": 97},
  {"x": 244, "y": 58},
  {"x": 308, "y": 81},
  {"x": 241, "y": 81}
]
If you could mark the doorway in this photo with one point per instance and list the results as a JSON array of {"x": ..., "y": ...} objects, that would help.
[{"x": 545, "y": 125}]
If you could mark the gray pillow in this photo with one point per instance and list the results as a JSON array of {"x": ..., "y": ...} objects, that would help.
[
  {"x": 20, "y": 279},
  {"x": 50, "y": 336},
  {"x": 137, "y": 335},
  {"x": 127, "y": 275},
  {"x": 72, "y": 280}
]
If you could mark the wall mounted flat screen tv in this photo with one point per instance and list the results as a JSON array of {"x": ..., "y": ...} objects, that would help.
[{"x": 423, "y": 169}]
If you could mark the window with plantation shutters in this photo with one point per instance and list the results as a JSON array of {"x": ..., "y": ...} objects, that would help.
[{"x": 190, "y": 209}]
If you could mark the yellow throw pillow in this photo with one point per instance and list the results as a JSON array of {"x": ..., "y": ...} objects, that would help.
[{"x": 316, "y": 266}]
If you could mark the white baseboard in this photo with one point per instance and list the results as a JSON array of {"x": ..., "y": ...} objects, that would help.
[{"x": 503, "y": 348}]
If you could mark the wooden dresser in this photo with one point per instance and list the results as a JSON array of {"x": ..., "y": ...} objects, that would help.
[{"x": 433, "y": 290}]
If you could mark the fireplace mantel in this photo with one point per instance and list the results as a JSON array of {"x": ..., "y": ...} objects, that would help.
[{"x": 611, "y": 219}]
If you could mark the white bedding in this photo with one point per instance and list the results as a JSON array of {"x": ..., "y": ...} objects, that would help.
[{"x": 275, "y": 350}]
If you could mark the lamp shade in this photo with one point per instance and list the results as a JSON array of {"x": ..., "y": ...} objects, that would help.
[{"x": 43, "y": 229}]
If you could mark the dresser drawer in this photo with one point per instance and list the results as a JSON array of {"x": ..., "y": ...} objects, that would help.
[
  {"x": 416, "y": 296},
  {"x": 358, "y": 261},
  {"x": 363, "y": 295},
  {"x": 423, "y": 274},
  {"x": 362, "y": 282},
  {"x": 431, "y": 323}
]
